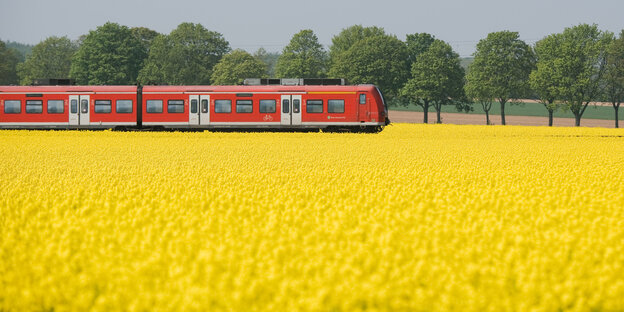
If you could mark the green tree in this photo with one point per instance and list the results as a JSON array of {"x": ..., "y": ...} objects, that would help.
[
  {"x": 349, "y": 36},
  {"x": 23, "y": 50},
  {"x": 235, "y": 67},
  {"x": 417, "y": 44},
  {"x": 111, "y": 54},
  {"x": 50, "y": 58},
  {"x": 437, "y": 78},
  {"x": 186, "y": 56},
  {"x": 505, "y": 63},
  {"x": 145, "y": 35},
  {"x": 380, "y": 60},
  {"x": 579, "y": 67},
  {"x": 478, "y": 92},
  {"x": 303, "y": 57},
  {"x": 542, "y": 76},
  {"x": 268, "y": 58},
  {"x": 614, "y": 75},
  {"x": 8, "y": 65}
]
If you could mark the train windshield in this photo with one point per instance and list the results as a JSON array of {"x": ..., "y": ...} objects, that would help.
[{"x": 383, "y": 101}]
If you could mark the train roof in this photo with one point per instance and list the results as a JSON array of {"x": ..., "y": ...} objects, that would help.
[
  {"x": 67, "y": 89},
  {"x": 189, "y": 89},
  {"x": 266, "y": 88}
]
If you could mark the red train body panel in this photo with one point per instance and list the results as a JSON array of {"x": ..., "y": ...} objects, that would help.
[{"x": 268, "y": 106}]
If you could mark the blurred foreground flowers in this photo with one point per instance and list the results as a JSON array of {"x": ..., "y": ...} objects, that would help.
[{"x": 416, "y": 218}]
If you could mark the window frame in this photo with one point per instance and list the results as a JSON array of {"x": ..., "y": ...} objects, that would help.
[
  {"x": 56, "y": 112},
  {"x": 158, "y": 111},
  {"x": 308, "y": 105},
  {"x": 337, "y": 100},
  {"x": 19, "y": 106},
  {"x": 267, "y": 112},
  {"x": 73, "y": 106},
  {"x": 109, "y": 105},
  {"x": 169, "y": 105},
  {"x": 194, "y": 106},
  {"x": 229, "y": 111},
  {"x": 244, "y": 105},
  {"x": 84, "y": 106},
  {"x": 31, "y": 104},
  {"x": 362, "y": 96},
  {"x": 117, "y": 107}
]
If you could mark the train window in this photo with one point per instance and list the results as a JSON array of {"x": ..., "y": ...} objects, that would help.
[
  {"x": 56, "y": 107},
  {"x": 12, "y": 107},
  {"x": 84, "y": 106},
  {"x": 123, "y": 106},
  {"x": 193, "y": 106},
  {"x": 175, "y": 106},
  {"x": 102, "y": 106},
  {"x": 34, "y": 107},
  {"x": 296, "y": 106},
  {"x": 314, "y": 106},
  {"x": 267, "y": 106},
  {"x": 285, "y": 106},
  {"x": 204, "y": 105},
  {"x": 335, "y": 106},
  {"x": 74, "y": 106},
  {"x": 244, "y": 106},
  {"x": 154, "y": 106},
  {"x": 362, "y": 98},
  {"x": 223, "y": 106}
]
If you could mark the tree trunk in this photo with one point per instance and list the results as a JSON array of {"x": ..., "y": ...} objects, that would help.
[
  {"x": 577, "y": 119},
  {"x": 503, "y": 112},
  {"x": 550, "y": 117},
  {"x": 426, "y": 111},
  {"x": 617, "y": 119},
  {"x": 438, "y": 113},
  {"x": 487, "y": 117}
]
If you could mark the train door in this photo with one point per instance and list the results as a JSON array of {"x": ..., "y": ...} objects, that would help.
[
  {"x": 79, "y": 110},
  {"x": 204, "y": 110},
  {"x": 199, "y": 112},
  {"x": 291, "y": 110},
  {"x": 362, "y": 107}
]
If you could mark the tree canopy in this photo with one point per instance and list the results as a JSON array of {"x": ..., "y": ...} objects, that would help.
[
  {"x": 269, "y": 59},
  {"x": 50, "y": 58},
  {"x": 145, "y": 35},
  {"x": 437, "y": 77},
  {"x": 349, "y": 36},
  {"x": 186, "y": 56},
  {"x": 8, "y": 65},
  {"x": 417, "y": 44},
  {"x": 542, "y": 77},
  {"x": 109, "y": 55},
  {"x": 380, "y": 60},
  {"x": 303, "y": 57},
  {"x": 235, "y": 67},
  {"x": 578, "y": 66},
  {"x": 503, "y": 63}
]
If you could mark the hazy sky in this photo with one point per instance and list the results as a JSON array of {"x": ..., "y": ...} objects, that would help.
[{"x": 251, "y": 24}]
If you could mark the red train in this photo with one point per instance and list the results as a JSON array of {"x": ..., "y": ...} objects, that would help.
[{"x": 335, "y": 107}]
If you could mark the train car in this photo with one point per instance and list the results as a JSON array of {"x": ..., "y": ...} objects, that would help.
[
  {"x": 359, "y": 107},
  {"x": 334, "y": 107},
  {"x": 68, "y": 107}
]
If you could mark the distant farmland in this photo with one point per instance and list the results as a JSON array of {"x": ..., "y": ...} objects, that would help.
[{"x": 523, "y": 109}]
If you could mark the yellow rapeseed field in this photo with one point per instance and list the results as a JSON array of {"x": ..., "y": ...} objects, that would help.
[{"x": 416, "y": 218}]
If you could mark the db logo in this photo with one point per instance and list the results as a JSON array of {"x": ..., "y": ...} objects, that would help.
[{"x": 267, "y": 118}]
